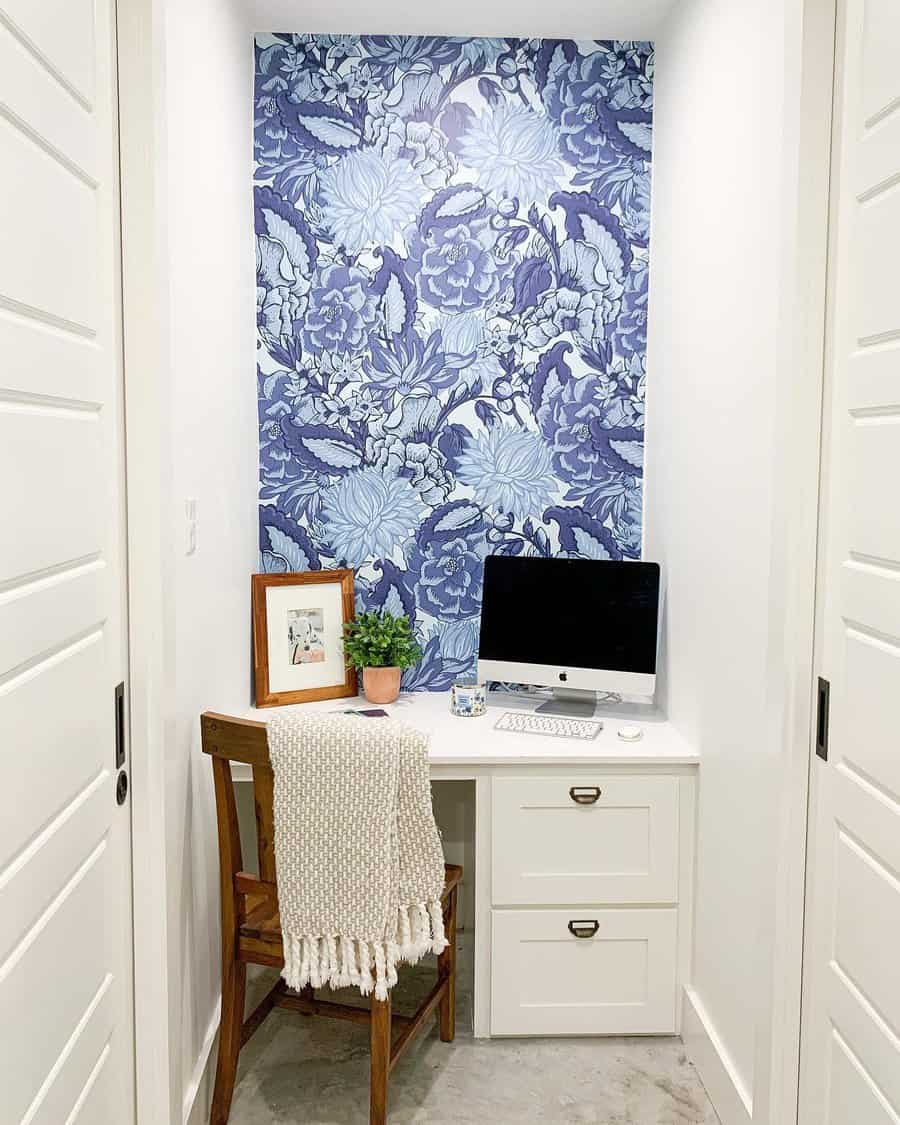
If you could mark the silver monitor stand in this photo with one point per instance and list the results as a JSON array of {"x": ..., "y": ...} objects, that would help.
[{"x": 573, "y": 703}]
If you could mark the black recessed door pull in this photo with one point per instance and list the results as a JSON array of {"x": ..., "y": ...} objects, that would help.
[
  {"x": 585, "y": 794},
  {"x": 584, "y": 927},
  {"x": 822, "y": 716}
]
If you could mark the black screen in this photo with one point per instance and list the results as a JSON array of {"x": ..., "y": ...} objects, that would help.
[{"x": 572, "y": 613}]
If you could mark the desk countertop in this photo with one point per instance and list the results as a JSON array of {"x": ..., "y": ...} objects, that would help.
[{"x": 474, "y": 742}]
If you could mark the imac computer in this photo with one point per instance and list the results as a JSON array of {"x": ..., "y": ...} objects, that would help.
[{"x": 579, "y": 626}]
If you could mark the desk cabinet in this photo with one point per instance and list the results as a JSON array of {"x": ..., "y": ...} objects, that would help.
[
  {"x": 585, "y": 839},
  {"x": 585, "y": 902},
  {"x": 547, "y": 981}
]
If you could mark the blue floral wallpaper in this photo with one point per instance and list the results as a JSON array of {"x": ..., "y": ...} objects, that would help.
[{"x": 451, "y": 257}]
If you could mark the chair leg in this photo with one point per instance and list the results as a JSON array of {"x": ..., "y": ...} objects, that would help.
[
  {"x": 447, "y": 970},
  {"x": 233, "y": 986},
  {"x": 380, "y": 1038}
]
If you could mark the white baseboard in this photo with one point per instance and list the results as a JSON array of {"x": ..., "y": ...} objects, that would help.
[
  {"x": 728, "y": 1094},
  {"x": 194, "y": 1109}
]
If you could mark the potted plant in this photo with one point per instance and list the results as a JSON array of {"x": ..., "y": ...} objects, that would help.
[{"x": 381, "y": 645}]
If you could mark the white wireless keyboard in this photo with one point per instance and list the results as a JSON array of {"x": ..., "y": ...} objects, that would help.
[{"x": 552, "y": 726}]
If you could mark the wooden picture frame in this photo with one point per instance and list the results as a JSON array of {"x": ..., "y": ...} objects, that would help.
[{"x": 298, "y": 627}]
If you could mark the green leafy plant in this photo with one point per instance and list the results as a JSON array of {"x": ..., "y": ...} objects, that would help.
[{"x": 380, "y": 640}]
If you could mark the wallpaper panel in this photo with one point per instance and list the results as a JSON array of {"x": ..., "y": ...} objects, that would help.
[{"x": 452, "y": 253}]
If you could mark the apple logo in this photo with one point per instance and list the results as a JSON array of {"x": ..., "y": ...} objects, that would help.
[{"x": 563, "y": 676}]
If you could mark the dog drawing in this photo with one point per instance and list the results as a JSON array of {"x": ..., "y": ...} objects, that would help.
[{"x": 305, "y": 641}]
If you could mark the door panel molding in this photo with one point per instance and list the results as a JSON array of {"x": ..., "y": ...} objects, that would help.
[
  {"x": 66, "y": 976},
  {"x": 851, "y": 992}
]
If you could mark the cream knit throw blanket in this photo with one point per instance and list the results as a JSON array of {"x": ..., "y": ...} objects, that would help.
[{"x": 357, "y": 853}]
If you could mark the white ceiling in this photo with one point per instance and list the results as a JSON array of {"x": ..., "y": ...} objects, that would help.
[{"x": 563, "y": 19}]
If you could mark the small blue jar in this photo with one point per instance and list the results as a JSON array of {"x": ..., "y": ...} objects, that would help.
[{"x": 468, "y": 698}]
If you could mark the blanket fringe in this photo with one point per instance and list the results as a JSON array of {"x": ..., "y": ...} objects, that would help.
[{"x": 339, "y": 961}]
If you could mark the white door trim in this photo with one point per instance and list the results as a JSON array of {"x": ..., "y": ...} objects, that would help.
[
  {"x": 151, "y": 626},
  {"x": 799, "y": 427}
]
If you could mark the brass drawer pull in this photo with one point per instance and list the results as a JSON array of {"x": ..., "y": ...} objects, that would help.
[
  {"x": 584, "y": 928},
  {"x": 585, "y": 794}
]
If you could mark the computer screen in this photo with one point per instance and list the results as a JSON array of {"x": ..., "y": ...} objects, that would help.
[{"x": 570, "y": 613}]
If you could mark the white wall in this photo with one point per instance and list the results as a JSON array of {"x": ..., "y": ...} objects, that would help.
[
  {"x": 210, "y": 273},
  {"x": 711, "y": 398},
  {"x": 724, "y": 219},
  {"x": 571, "y": 19}
]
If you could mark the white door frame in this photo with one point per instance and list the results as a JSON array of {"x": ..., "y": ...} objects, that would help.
[
  {"x": 801, "y": 358},
  {"x": 809, "y": 27},
  {"x": 148, "y": 472}
]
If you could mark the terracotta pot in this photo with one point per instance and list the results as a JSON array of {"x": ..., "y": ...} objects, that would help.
[{"x": 381, "y": 685}]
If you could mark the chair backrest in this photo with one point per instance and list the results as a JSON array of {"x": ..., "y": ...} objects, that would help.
[{"x": 226, "y": 740}]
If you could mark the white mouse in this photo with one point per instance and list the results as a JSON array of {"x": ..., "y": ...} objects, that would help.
[{"x": 630, "y": 733}]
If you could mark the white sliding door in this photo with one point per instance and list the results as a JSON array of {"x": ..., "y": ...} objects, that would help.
[
  {"x": 66, "y": 1035},
  {"x": 850, "y": 1071}
]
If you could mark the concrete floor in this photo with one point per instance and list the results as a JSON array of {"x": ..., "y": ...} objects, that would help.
[{"x": 315, "y": 1072}]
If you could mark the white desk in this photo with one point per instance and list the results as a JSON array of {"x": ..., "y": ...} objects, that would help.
[{"x": 624, "y": 862}]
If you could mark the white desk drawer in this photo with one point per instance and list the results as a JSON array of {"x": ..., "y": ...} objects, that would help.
[
  {"x": 549, "y": 849},
  {"x": 621, "y": 981}
]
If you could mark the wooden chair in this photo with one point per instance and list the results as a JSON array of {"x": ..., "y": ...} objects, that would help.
[{"x": 251, "y": 931}]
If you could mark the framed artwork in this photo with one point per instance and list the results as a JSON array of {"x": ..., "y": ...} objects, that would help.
[{"x": 298, "y": 627}]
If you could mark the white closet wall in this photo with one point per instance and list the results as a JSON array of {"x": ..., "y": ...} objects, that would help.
[
  {"x": 724, "y": 223},
  {"x": 722, "y": 123},
  {"x": 209, "y": 67}
]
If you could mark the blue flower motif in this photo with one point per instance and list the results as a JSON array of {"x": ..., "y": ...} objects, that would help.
[
  {"x": 270, "y": 131},
  {"x": 284, "y": 399},
  {"x": 586, "y": 452},
  {"x": 354, "y": 83},
  {"x": 453, "y": 258},
  {"x": 346, "y": 407},
  {"x": 367, "y": 197},
  {"x": 419, "y": 142},
  {"x": 629, "y": 333},
  {"x": 422, "y": 465},
  {"x": 410, "y": 365},
  {"x": 369, "y": 514},
  {"x": 508, "y": 469},
  {"x": 599, "y": 103},
  {"x": 567, "y": 310},
  {"x": 342, "y": 310},
  {"x": 275, "y": 457},
  {"x": 285, "y": 255},
  {"x": 448, "y": 560},
  {"x": 628, "y": 520},
  {"x": 514, "y": 150}
]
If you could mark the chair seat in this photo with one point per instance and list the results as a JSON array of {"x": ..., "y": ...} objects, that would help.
[{"x": 260, "y": 931}]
